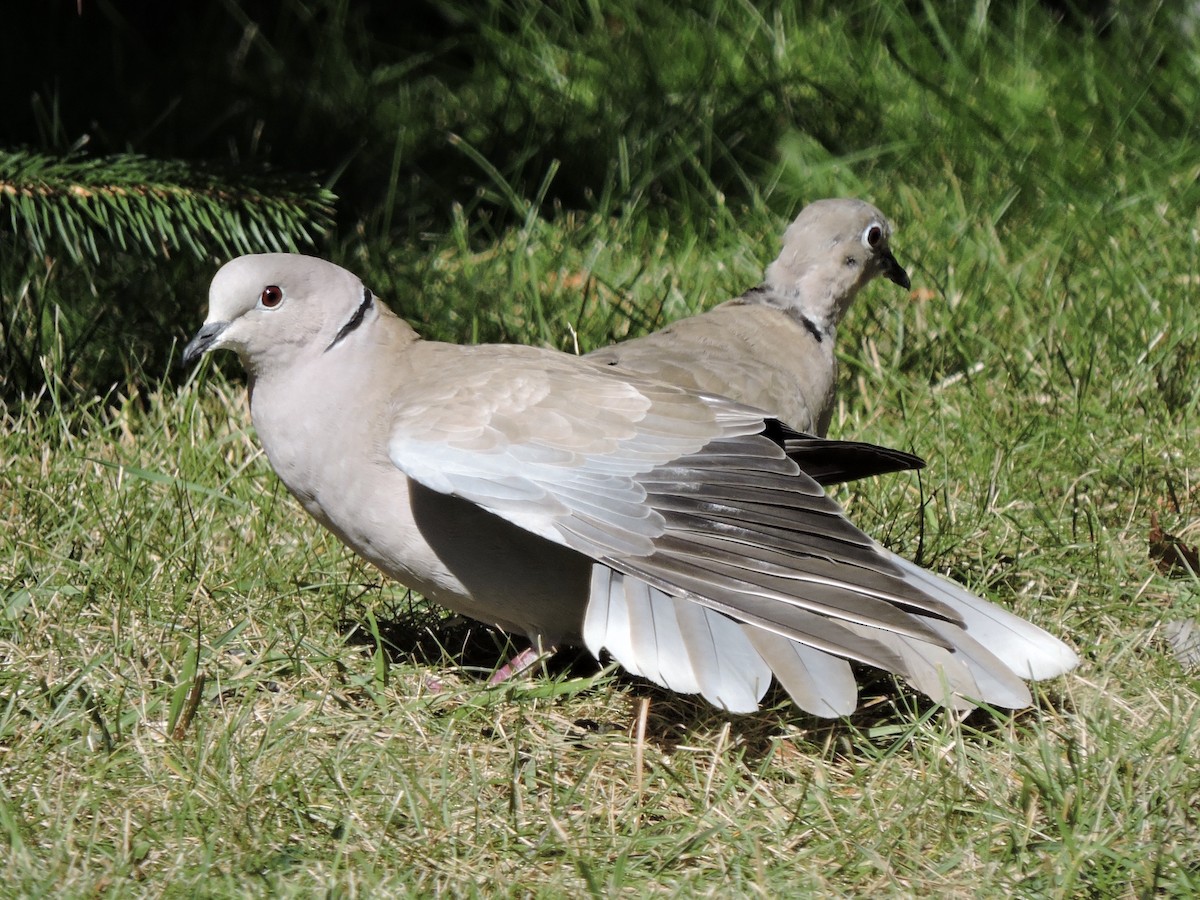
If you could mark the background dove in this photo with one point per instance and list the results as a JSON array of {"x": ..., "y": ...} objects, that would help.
[
  {"x": 551, "y": 495},
  {"x": 772, "y": 347}
]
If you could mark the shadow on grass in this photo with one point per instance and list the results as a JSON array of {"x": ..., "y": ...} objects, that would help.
[{"x": 889, "y": 716}]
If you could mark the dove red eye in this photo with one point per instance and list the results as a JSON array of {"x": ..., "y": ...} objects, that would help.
[
  {"x": 872, "y": 236},
  {"x": 272, "y": 296}
]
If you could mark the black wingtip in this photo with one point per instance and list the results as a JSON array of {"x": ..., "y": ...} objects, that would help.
[{"x": 830, "y": 462}]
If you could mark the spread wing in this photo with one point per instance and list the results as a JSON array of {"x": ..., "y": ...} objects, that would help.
[{"x": 684, "y": 498}]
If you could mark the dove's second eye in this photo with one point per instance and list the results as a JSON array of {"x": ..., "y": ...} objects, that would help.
[{"x": 272, "y": 296}]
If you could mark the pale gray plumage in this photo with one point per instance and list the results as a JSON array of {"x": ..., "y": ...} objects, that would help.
[
  {"x": 577, "y": 503},
  {"x": 773, "y": 347}
]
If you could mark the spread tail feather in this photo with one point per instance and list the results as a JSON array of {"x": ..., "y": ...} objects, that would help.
[
  {"x": 685, "y": 646},
  {"x": 674, "y": 642},
  {"x": 818, "y": 682},
  {"x": 1024, "y": 648}
]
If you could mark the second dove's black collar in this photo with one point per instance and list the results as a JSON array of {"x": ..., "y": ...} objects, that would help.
[{"x": 808, "y": 324}]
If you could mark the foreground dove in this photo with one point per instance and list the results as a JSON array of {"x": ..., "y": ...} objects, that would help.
[
  {"x": 576, "y": 503},
  {"x": 773, "y": 347}
]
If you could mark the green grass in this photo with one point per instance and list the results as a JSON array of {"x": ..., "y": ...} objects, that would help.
[{"x": 203, "y": 693}]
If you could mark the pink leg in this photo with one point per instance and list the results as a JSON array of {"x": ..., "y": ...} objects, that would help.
[{"x": 521, "y": 663}]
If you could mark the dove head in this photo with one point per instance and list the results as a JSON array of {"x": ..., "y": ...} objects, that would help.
[
  {"x": 831, "y": 250},
  {"x": 275, "y": 308}
]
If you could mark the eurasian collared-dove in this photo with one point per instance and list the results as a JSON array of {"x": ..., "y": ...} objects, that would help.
[
  {"x": 772, "y": 347},
  {"x": 576, "y": 503}
]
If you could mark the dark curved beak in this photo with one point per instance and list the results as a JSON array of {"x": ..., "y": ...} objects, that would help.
[
  {"x": 203, "y": 340},
  {"x": 893, "y": 271}
]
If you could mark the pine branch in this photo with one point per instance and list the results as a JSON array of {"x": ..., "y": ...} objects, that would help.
[{"x": 82, "y": 205}]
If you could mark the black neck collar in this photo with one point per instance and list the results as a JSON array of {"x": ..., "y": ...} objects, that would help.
[{"x": 355, "y": 320}]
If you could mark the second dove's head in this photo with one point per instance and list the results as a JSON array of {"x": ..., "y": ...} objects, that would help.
[
  {"x": 277, "y": 307},
  {"x": 832, "y": 249}
]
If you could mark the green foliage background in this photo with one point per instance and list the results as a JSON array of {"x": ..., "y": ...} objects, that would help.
[{"x": 451, "y": 126}]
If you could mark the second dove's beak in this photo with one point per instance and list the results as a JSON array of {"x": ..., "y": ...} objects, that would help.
[
  {"x": 893, "y": 271},
  {"x": 203, "y": 341}
]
